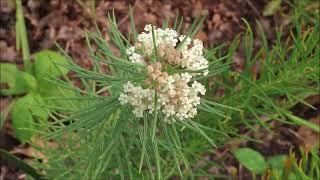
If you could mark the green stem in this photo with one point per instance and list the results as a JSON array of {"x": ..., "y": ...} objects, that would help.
[{"x": 22, "y": 40}]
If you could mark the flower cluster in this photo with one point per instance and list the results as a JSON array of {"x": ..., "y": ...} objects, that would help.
[
  {"x": 140, "y": 99},
  {"x": 176, "y": 95},
  {"x": 189, "y": 55},
  {"x": 179, "y": 99}
]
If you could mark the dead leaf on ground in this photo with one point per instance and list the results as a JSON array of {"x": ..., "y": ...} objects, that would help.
[{"x": 308, "y": 138}]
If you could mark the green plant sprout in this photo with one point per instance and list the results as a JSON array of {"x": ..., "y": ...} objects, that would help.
[{"x": 28, "y": 114}]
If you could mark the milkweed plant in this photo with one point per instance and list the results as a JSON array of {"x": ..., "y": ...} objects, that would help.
[
  {"x": 147, "y": 109},
  {"x": 128, "y": 115}
]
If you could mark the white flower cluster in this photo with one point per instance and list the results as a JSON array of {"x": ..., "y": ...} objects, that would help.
[
  {"x": 134, "y": 57},
  {"x": 140, "y": 99},
  {"x": 175, "y": 99},
  {"x": 189, "y": 55},
  {"x": 167, "y": 36},
  {"x": 180, "y": 100},
  {"x": 177, "y": 95},
  {"x": 193, "y": 57}
]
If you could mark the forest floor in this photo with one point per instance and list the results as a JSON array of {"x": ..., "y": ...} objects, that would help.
[{"x": 64, "y": 22}]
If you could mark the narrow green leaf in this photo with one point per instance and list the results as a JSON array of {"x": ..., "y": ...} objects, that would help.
[
  {"x": 155, "y": 118},
  {"x": 170, "y": 145},
  {"x": 22, "y": 37},
  {"x": 301, "y": 121},
  {"x": 144, "y": 143},
  {"x": 154, "y": 43},
  {"x": 132, "y": 24},
  {"x": 247, "y": 41},
  {"x": 176, "y": 20},
  {"x": 157, "y": 157}
]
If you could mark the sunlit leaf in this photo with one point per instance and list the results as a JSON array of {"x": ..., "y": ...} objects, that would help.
[
  {"x": 28, "y": 114},
  {"x": 50, "y": 63},
  {"x": 13, "y": 81}
]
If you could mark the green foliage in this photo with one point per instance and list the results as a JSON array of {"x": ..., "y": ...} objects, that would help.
[
  {"x": 309, "y": 165},
  {"x": 291, "y": 167},
  {"x": 14, "y": 81},
  {"x": 28, "y": 81},
  {"x": 119, "y": 143},
  {"x": 22, "y": 38},
  {"x": 281, "y": 166},
  {"x": 276, "y": 78},
  {"x": 277, "y": 165},
  {"x": 28, "y": 115},
  {"x": 30, "y": 112},
  {"x": 22, "y": 120},
  {"x": 277, "y": 162},
  {"x": 100, "y": 138},
  {"x": 251, "y": 159},
  {"x": 306, "y": 123},
  {"x": 50, "y": 63}
]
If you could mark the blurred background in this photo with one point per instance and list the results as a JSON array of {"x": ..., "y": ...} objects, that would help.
[{"x": 50, "y": 21}]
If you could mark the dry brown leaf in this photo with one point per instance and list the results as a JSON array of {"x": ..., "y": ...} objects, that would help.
[{"x": 308, "y": 138}]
